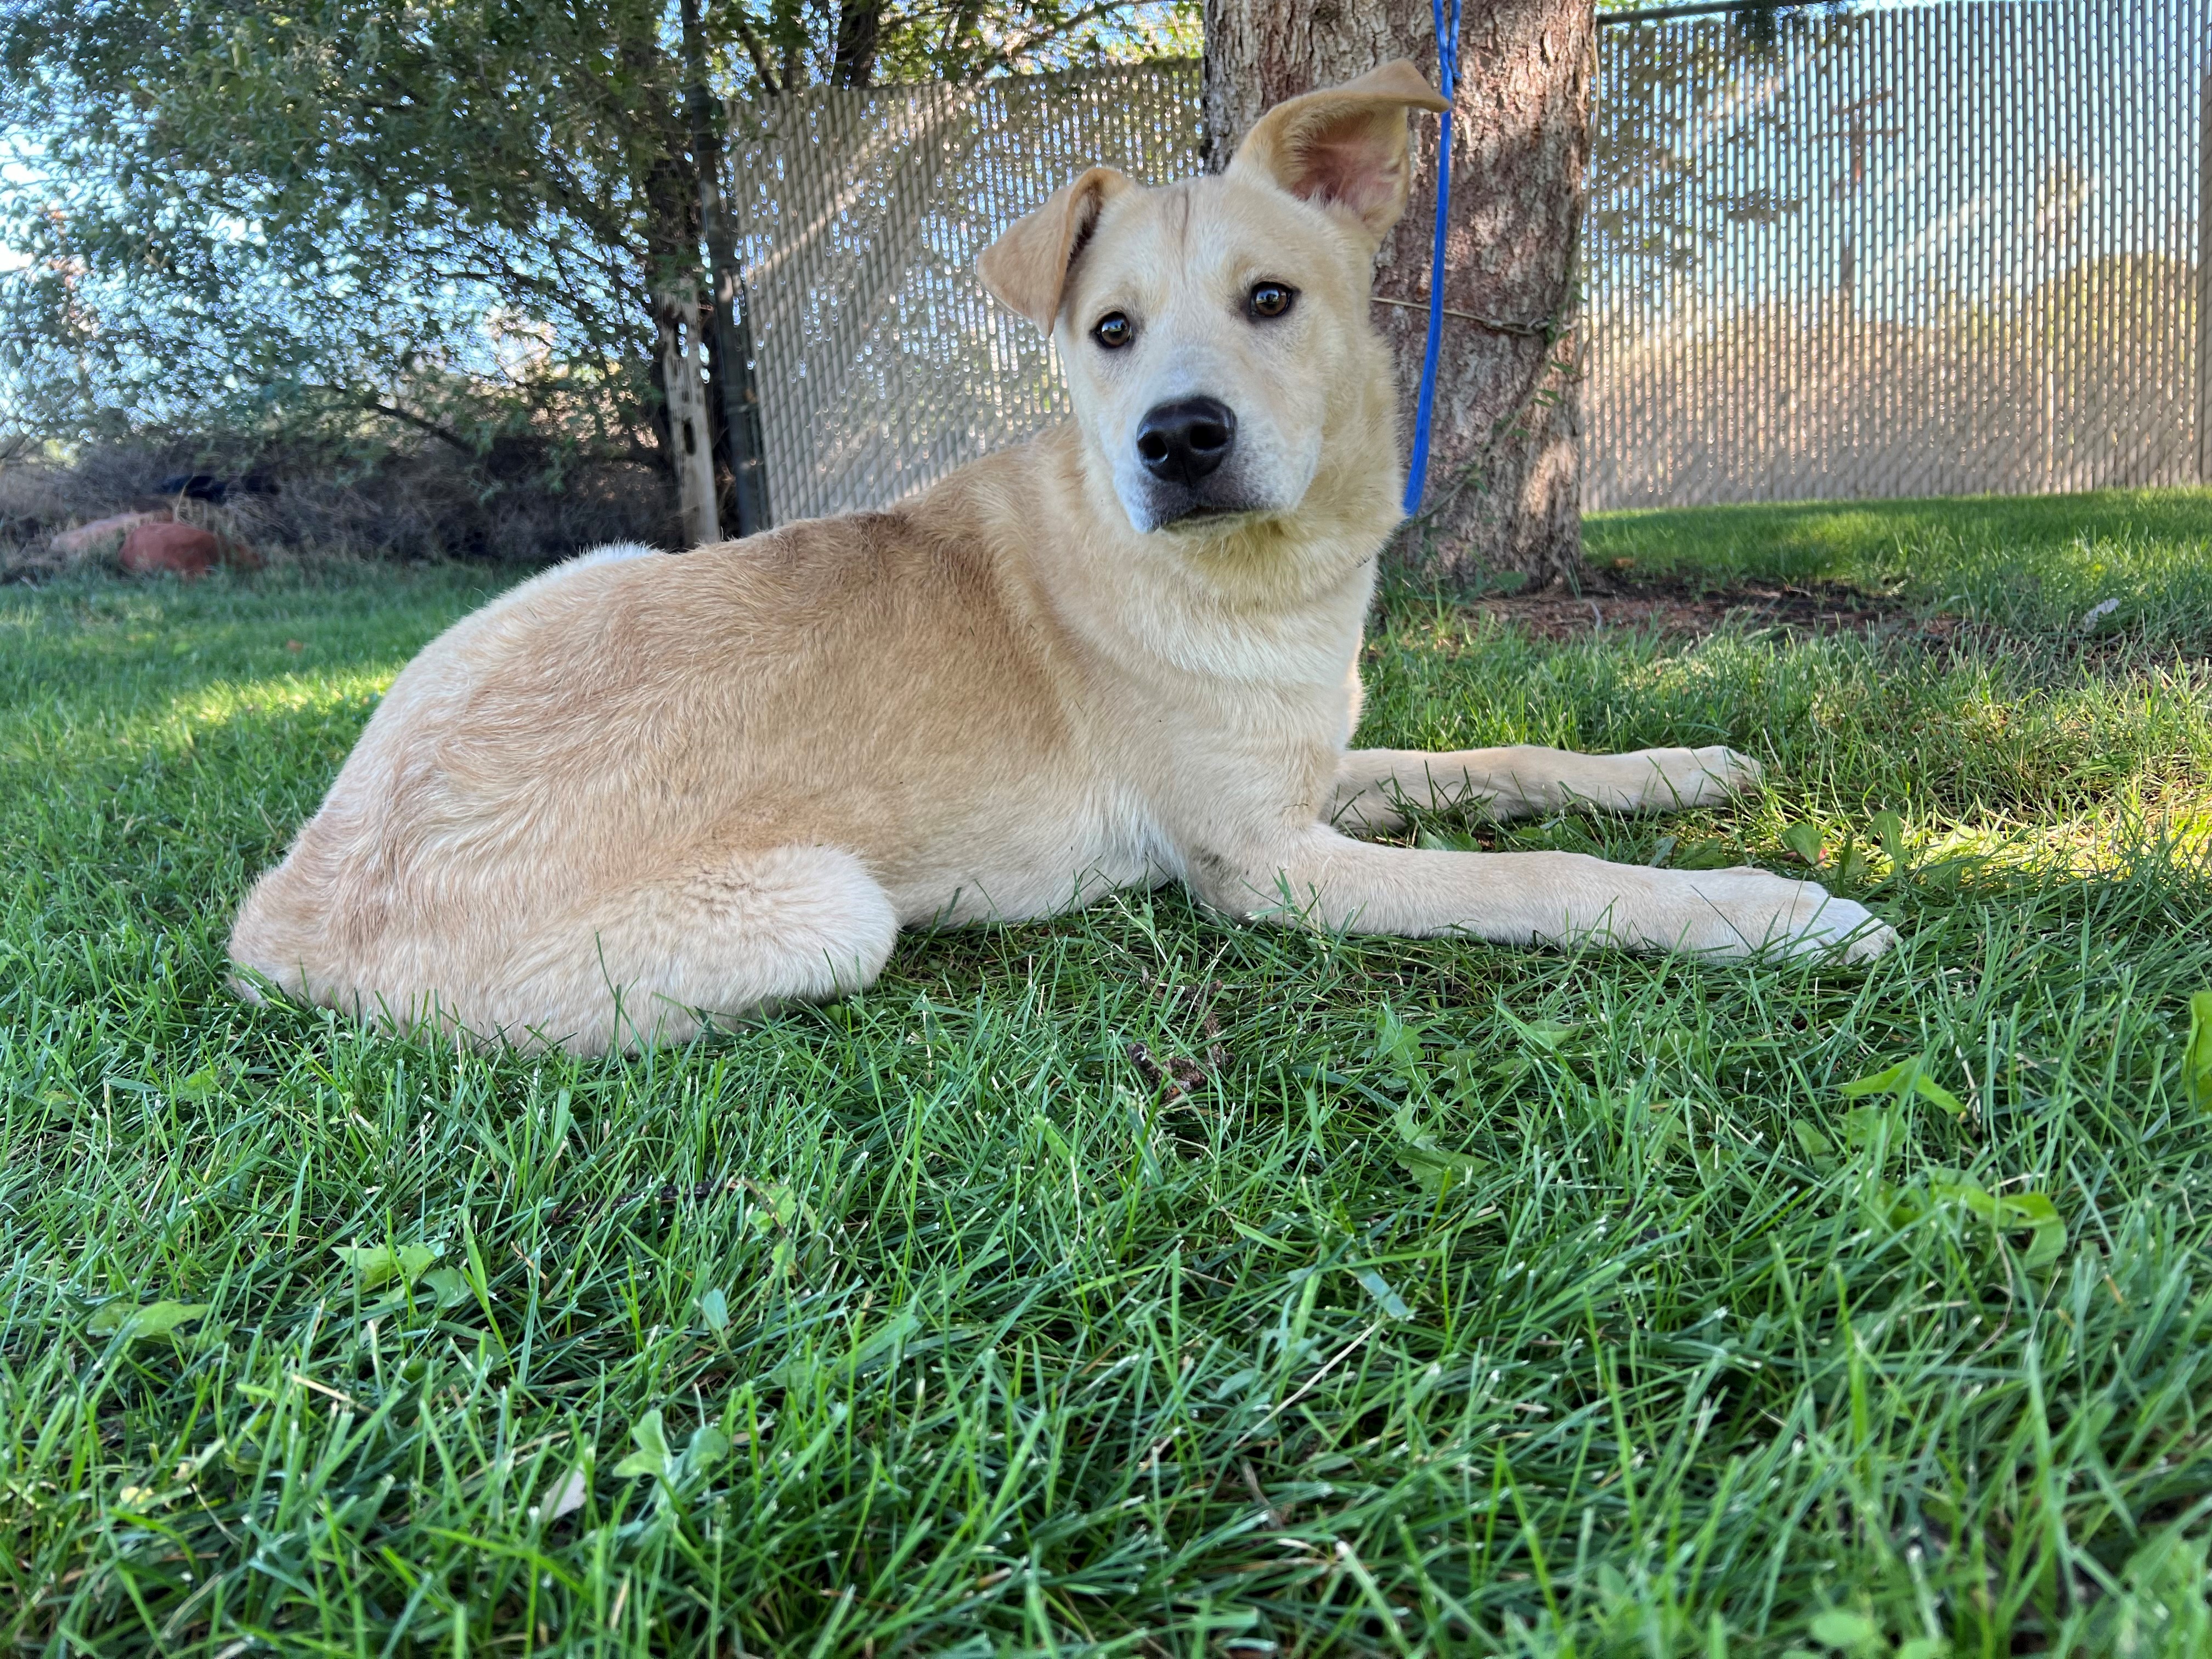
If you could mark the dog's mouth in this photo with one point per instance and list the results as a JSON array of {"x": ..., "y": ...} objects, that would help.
[
  {"x": 1190, "y": 512},
  {"x": 1259, "y": 482},
  {"x": 1216, "y": 503},
  {"x": 1209, "y": 515}
]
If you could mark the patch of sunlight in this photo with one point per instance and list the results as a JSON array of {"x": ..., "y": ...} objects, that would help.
[
  {"x": 2100, "y": 843},
  {"x": 45, "y": 733},
  {"x": 226, "y": 702}
]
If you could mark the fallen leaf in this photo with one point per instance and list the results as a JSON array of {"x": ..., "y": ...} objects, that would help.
[
  {"x": 376, "y": 1264},
  {"x": 569, "y": 1500},
  {"x": 155, "y": 1319},
  {"x": 1379, "y": 1287}
]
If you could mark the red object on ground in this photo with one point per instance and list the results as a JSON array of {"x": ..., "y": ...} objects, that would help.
[
  {"x": 87, "y": 537},
  {"x": 181, "y": 548}
]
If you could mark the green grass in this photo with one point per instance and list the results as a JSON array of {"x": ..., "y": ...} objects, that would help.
[
  {"x": 1480, "y": 1301},
  {"x": 2038, "y": 564}
]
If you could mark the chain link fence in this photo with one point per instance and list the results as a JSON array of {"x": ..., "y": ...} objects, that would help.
[
  {"x": 1932, "y": 250},
  {"x": 1924, "y": 251},
  {"x": 879, "y": 361}
]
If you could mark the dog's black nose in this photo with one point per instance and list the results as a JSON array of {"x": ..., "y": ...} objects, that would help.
[{"x": 1182, "y": 442}]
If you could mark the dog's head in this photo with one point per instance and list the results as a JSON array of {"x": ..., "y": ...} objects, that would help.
[{"x": 1215, "y": 332}]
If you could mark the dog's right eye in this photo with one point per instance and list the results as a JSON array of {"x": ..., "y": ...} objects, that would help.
[{"x": 1113, "y": 330}]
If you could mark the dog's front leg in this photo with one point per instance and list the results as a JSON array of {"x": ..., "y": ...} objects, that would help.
[
  {"x": 1321, "y": 878},
  {"x": 1373, "y": 784}
]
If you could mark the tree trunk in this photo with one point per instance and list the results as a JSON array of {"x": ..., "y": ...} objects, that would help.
[
  {"x": 859, "y": 24},
  {"x": 669, "y": 184},
  {"x": 1504, "y": 485},
  {"x": 692, "y": 444},
  {"x": 733, "y": 411}
]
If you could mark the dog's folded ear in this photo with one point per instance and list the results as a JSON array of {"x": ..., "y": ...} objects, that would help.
[
  {"x": 1027, "y": 267},
  {"x": 1343, "y": 147}
]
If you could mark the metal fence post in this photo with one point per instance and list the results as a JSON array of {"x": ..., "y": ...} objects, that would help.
[{"x": 2204, "y": 282}]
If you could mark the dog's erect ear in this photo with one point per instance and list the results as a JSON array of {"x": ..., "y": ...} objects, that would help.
[
  {"x": 1344, "y": 147},
  {"x": 1027, "y": 267}
]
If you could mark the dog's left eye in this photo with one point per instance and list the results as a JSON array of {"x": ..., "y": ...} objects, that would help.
[{"x": 1271, "y": 299}]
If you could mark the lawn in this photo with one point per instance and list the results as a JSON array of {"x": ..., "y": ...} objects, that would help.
[{"x": 1139, "y": 1284}]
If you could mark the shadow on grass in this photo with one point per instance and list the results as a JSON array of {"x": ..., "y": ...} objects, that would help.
[{"x": 2141, "y": 560}]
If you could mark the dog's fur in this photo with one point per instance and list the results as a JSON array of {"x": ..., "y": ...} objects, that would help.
[{"x": 641, "y": 789}]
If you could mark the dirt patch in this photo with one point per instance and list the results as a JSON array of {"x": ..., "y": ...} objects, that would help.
[{"x": 1680, "y": 609}]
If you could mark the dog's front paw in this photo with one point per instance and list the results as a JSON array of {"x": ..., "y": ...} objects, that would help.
[
  {"x": 1752, "y": 913},
  {"x": 1676, "y": 778}
]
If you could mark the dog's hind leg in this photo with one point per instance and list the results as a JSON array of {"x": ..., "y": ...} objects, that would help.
[
  {"x": 743, "y": 933},
  {"x": 1373, "y": 784}
]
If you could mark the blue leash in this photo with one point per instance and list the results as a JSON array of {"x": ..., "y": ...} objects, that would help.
[{"x": 1417, "y": 471}]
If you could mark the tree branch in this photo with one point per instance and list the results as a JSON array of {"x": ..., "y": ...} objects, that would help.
[
  {"x": 754, "y": 49},
  {"x": 370, "y": 402}
]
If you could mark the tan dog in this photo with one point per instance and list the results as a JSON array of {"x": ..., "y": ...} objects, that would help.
[{"x": 641, "y": 789}]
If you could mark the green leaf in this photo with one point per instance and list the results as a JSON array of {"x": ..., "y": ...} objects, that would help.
[
  {"x": 1435, "y": 1170},
  {"x": 198, "y": 1086},
  {"x": 155, "y": 1319},
  {"x": 1936, "y": 1095},
  {"x": 1851, "y": 1632},
  {"x": 2197, "y": 1057},
  {"x": 651, "y": 1456},
  {"x": 1049, "y": 1133},
  {"x": 2047, "y": 1240},
  {"x": 709, "y": 1446},
  {"x": 1804, "y": 840},
  {"x": 1705, "y": 856},
  {"x": 1907, "y": 1077},
  {"x": 1547, "y": 1035},
  {"x": 1862, "y": 1124},
  {"x": 1819, "y": 1149},
  {"x": 1851, "y": 867},
  {"x": 162, "y": 1317},
  {"x": 1895, "y": 1207},
  {"x": 378, "y": 1264},
  {"x": 449, "y": 1284},
  {"x": 775, "y": 1207},
  {"x": 1398, "y": 1046},
  {"x": 1447, "y": 840},
  {"x": 2010, "y": 1212},
  {"x": 1379, "y": 1287},
  {"x": 1889, "y": 828},
  {"x": 1892, "y": 1081},
  {"x": 715, "y": 1308}
]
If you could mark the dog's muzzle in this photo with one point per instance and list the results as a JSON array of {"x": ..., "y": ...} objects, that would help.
[
  {"x": 1182, "y": 447},
  {"x": 1186, "y": 442}
]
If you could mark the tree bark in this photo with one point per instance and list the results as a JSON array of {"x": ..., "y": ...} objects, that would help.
[
  {"x": 691, "y": 446},
  {"x": 1504, "y": 486},
  {"x": 734, "y": 410},
  {"x": 859, "y": 24},
  {"x": 669, "y": 184}
]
